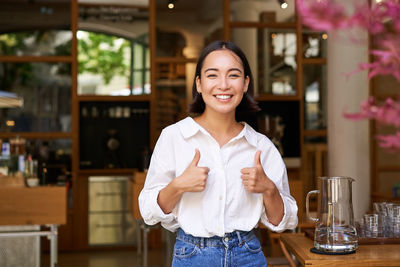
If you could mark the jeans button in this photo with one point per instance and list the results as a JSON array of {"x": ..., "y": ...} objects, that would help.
[{"x": 226, "y": 239}]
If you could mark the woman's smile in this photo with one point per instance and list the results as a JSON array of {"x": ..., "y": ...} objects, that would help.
[{"x": 224, "y": 98}]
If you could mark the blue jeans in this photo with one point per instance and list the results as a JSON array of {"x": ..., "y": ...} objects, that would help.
[{"x": 236, "y": 249}]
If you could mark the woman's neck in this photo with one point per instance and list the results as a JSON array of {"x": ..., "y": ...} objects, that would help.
[{"x": 223, "y": 127}]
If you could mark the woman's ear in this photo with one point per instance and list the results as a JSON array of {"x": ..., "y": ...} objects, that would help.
[
  {"x": 246, "y": 84},
  {"x": 198, "y": 85}
]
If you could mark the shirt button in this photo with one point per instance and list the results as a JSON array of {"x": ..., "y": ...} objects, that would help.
[
  {"x": 220, "y": 198},
  {"x": 226, "y": 239}
]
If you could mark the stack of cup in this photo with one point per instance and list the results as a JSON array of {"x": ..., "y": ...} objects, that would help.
[
  {"x": 388, "y": 219},
  {"x": 396, "y": 220}
]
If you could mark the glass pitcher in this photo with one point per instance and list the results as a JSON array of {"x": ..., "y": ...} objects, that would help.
[{"x": 335, "y": 230}]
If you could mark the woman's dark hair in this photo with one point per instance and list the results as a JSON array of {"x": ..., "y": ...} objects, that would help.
[{"x": 247, "y": 104}]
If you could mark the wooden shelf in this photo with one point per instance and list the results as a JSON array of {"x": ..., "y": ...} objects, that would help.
[
  {"x": 140, "y": 7},
  {"x": 37, "y": 135},
  {"x": 106, "y": 98},
  {"x": 322, "y": 132},
  {"x": 89, "y": 172},
  {"x": 384, "y": 196},
  {"x": 171, "y": 83},
  {"x": 175, "y": 60},
  {"x": 271, "y": 97},
  {"x": 273, "y": 25},
  {"x": 386, "y": 96},
  {"x": 392, "y": 168},
  {"x": 314, "y": 61},
  {"x": 49, "y": 59}
]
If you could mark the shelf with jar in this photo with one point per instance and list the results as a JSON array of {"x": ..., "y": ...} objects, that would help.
[
  {"x": 113, "y": 135},
  {"x": 47, "y": 160}
]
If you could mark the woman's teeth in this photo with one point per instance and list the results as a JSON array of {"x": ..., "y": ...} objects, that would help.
[{"x": 223, "y": 96}]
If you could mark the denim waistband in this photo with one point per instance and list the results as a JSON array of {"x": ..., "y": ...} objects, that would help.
[{"x": 236, "y": 237}]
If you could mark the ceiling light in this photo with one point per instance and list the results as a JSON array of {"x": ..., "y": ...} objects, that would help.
[
  {"x": 283, "y": 4},
  {"x": 171, "y": 4}
]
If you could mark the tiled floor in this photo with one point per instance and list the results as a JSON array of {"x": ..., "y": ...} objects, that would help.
[{"x": 123, "y": 258}]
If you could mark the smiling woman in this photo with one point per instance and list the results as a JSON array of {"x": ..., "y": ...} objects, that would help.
[{"x": 213, "y": 179}]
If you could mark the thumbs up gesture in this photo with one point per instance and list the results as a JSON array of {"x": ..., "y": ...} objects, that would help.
[
  {"x": 194, "y": 178},
  {"x": 254, "y": 179}
]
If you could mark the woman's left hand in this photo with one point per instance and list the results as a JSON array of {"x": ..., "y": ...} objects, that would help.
[{"x": 255, "y": 180}]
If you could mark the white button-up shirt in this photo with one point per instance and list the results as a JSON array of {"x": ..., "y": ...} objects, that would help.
[{"x": 224, "y": 206}]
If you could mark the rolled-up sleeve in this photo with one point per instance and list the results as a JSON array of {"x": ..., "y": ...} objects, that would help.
[
  {"x": 275, "y": 169},
  {"x": 289, "y": 220},
  {"x": 161, "y": 172}
]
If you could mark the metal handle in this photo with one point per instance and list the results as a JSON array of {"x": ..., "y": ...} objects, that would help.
[{"x": 308, "y": 205}]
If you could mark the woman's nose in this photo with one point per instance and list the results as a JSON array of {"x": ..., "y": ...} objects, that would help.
[{"x": 224, "y": 85}]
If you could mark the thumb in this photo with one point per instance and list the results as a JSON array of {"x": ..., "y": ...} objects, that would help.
[
  {"x": 257, "y": 161},
  {"x": 196, "y": 158}
]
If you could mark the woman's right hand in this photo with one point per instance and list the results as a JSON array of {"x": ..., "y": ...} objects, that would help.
[{"x": 194, "y": 178}]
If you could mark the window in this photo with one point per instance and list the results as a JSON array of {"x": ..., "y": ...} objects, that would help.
[{"x": 112, "y": 65}]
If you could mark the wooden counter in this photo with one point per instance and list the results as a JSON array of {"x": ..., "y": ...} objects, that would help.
[
  {"x": 33, "y": 206},
  {"x": 366, "y": 255}
]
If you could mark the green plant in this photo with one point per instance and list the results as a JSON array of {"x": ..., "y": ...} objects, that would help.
[{"x": 102, "y": 54}]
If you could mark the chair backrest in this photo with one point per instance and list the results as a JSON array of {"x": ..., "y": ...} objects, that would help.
[
  {"x": 297, "y": 192},
  {"x": 137, "y": 186}
]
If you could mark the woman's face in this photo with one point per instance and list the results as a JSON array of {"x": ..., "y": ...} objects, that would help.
[{"x": 222, "y": 83}]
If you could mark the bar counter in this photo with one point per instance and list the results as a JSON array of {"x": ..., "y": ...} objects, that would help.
[
  {"x": 40, "y": 205},
  {"x": 366, "y": 255},
  {"x": 36, "y": 206}
]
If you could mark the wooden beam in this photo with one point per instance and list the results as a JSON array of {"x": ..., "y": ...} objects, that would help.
[{"x": 49, "y": 59}]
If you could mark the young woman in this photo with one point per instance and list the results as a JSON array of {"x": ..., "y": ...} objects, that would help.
[{"x": 213, "y": 179}]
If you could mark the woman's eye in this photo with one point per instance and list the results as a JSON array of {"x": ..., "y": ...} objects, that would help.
[
  {"x": 211, "y": 75},
  {"x": 234, "y": 75}
]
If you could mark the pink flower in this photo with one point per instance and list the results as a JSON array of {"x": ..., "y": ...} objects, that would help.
[
  {"x": 390, "y": 142},
  {"x": 382, "y": 21},
  {"x": 322, "y": 15},
  {"x": 387, "y": 113},
  {"x": 370, "y": 19},
  {"x": 387, "y": 59}
]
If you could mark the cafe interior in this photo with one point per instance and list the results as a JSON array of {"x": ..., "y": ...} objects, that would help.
[{"x": 86, "y": 87}]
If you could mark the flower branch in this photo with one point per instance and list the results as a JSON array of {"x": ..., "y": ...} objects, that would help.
[{"x": 382, "y": 22}]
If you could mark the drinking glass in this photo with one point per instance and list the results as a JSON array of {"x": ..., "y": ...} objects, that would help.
[{"x": 371, "y": 225}]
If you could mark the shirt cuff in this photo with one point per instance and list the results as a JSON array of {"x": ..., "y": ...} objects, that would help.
[
  {"x": 289, "y": 220},
  {"x": 152, "y": 212}
]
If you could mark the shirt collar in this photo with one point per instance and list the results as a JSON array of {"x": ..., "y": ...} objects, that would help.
[
  {"x": 188, "y": 128},
  {"x": 249, "y": 133}
]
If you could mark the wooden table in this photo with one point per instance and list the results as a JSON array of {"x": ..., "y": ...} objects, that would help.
[
  {"x": 42, "y": 205},
  {"x": 366, "y": 255}
]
